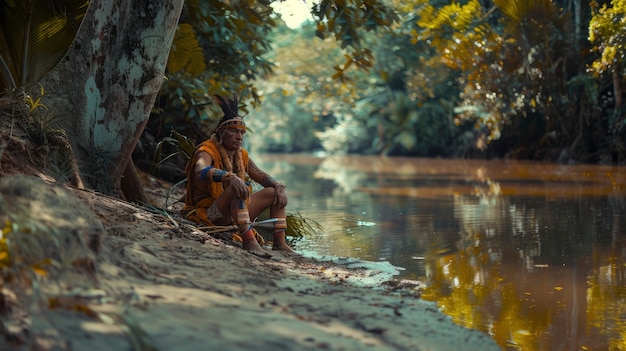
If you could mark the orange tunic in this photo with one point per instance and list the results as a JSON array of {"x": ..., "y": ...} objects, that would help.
[{"x": 195, "y": 208}]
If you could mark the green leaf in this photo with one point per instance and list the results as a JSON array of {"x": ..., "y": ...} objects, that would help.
[{"x": 186, "y": 52}]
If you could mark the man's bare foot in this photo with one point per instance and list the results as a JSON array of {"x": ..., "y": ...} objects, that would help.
[
  {"x": 251, "y": 244},
  {"x": 254, "y": 248},
  {"x": 279, "y": 244},
  {"x": 284, "y": 248}
]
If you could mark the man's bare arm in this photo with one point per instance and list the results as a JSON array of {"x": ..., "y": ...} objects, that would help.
[
  {"x": 203, "y": 160},
  {"x": 260, "y": 176},
  {"x": 267, "y": 181}
]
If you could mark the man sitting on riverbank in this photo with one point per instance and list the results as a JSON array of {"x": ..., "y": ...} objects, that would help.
[{"x": 217, "y": 192}]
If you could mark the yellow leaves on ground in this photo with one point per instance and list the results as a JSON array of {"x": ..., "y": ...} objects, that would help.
[
  {"x": 4, "y": 249},
  {"x": 71, "y": 303},
  {"x": 11, "y": 228},
  {"x": 4, "y": 254}
]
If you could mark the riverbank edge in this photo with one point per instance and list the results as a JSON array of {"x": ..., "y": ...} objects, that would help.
[{"x": 161, "y": 285}]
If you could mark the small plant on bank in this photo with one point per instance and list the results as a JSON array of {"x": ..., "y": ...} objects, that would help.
[{"x": 52, "y": 142}]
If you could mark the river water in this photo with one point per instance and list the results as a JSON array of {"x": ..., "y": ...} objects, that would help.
[{"x": 533, "y": 254}]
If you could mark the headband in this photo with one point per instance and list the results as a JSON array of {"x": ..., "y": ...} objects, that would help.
[{"x": 233, "y": 123}]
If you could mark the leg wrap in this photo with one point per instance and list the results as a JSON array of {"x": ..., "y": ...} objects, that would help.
[
  {"x": 280, "y": 224},
  {"x": 243, "y": 217},
  {"x": 252, "y": 234},
  {"x": 248, "y": 234}
]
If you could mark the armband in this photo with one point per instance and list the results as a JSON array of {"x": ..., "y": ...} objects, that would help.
[{"x": 215, "y": 174}]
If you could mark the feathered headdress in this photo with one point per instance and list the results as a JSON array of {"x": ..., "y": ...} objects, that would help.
[
  {"x": 229, "y": 106},
  {"x": 231, "y": 118}
]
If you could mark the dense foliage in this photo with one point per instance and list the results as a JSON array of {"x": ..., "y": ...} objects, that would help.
[
  {"x": 517, "y": 79},
  {"x": 223, "y": 47},
  {"x": 503, "y": 78}
]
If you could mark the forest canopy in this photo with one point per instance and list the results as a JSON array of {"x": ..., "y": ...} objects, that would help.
[{"x": 524, "y": 79}]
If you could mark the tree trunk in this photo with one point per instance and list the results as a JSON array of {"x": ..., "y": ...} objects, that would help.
[
  {"x": 104, "y": 88},
  {"x": 617, "y": 87}
]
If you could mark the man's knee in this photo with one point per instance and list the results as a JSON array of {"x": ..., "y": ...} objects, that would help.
[{"x": 265, "y": 196}]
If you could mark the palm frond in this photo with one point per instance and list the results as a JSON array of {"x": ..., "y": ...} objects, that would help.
[
  {"x": 183, "y": 144},
  {"x": 186, "y": 54},
  {"x": 36, "y": 35}
]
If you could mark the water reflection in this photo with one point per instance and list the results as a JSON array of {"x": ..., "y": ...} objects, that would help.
[{"x": 533, "y": 254}]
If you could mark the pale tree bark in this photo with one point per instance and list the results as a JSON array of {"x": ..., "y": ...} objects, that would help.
[{"x": 103, "y": 90}]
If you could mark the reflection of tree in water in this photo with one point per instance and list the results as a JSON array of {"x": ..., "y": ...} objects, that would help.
[
  {"x": 606, "y": 295},
  {"x": 607, "y": 298},
  {"x": 375, "y": 190},
  {"x": 345, "y": 178},
  {"x": 521, "y": 268}
]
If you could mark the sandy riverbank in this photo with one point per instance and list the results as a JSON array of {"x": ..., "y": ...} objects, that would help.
[{"x": 160, "y": 285}]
